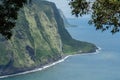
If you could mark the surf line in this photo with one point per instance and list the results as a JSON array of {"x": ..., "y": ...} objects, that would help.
[
  {"x": 46, "y": 66},
  {"x": 37, "y": 69}
]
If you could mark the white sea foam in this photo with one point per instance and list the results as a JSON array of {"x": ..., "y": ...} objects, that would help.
[
  {"x": 37, "y": 69},
  {"x": 46, "y": 66},
  {"x": 98, "y": 50}
]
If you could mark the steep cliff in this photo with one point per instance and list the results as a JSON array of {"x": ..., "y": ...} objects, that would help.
[
  {"x": 66, "y": 23},
  {"x": 39, "y": 38}
]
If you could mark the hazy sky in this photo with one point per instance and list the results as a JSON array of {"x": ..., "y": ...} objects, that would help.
[{"x": 63, "y": 5}]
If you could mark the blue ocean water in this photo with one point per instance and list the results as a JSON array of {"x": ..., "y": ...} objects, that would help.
[{"x": 102, "y": 66}]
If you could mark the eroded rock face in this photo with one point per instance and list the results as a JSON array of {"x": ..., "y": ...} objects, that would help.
[
  {"x": 35, "y": 42},
  {"x": 38, "y": 39}
]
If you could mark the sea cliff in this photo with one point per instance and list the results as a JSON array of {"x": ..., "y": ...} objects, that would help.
[{"x": 39, "y": 38}]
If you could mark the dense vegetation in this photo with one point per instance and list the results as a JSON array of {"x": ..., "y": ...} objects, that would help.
[
  {"x": 8, "y": 15},
  {"x": 105, "y": 13},
  {"x": 39, "y": 38}
]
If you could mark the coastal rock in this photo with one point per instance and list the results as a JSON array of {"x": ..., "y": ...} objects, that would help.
[{"x": 39, "y": 38}]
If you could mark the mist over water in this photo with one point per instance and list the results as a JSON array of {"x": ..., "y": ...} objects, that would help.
[{"x": 102, "y": 66}]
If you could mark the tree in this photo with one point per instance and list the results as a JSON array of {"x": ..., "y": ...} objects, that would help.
[
  {"x": 8, "y": 15},
  {"x": 105, "y": 13}
]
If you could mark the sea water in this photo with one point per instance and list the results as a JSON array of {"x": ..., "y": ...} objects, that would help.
[{"x": 104, "y": 65}]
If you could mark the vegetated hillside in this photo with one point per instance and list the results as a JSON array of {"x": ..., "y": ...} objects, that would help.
[{"x": 39, "y": 38}]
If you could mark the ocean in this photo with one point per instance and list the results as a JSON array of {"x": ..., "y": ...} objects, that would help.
[{"x": 104, "y": 65}]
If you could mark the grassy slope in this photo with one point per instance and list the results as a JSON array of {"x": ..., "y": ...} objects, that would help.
[
  {"x": 71, "y": 45},
  {"x": 39, "y": 37}
]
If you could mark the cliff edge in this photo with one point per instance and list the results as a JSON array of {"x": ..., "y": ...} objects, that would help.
[{"x": 39, "y": 38}]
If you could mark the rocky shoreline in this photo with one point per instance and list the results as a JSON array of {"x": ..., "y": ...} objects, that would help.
[
  {"x": 39, "y": 68},
  {"x": 36, "y": 69}
]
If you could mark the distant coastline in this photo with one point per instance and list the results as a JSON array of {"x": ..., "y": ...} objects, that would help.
[{"x": 46, "y": 66}]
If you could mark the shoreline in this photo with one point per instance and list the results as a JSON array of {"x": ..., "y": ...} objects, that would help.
[
  {"x": 46, "y": 66},
  {"x": 97, "y": 50},
  {"x": 37, "y": 69}
]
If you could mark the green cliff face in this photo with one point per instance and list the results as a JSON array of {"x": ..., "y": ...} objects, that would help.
[{"x": 38, "y": 39}]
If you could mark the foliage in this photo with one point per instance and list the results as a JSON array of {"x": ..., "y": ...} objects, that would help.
[
  {"x": 39, "y": 39},
  {"x": 8, "y": 15},
  {"x": 105, "y": 13},
  {"x": 79, "y": 7}
]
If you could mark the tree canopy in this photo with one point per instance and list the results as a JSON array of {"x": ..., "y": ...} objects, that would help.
[
  {"x": 105, "y": 13},
  {"x": 8, "y": 15}
]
